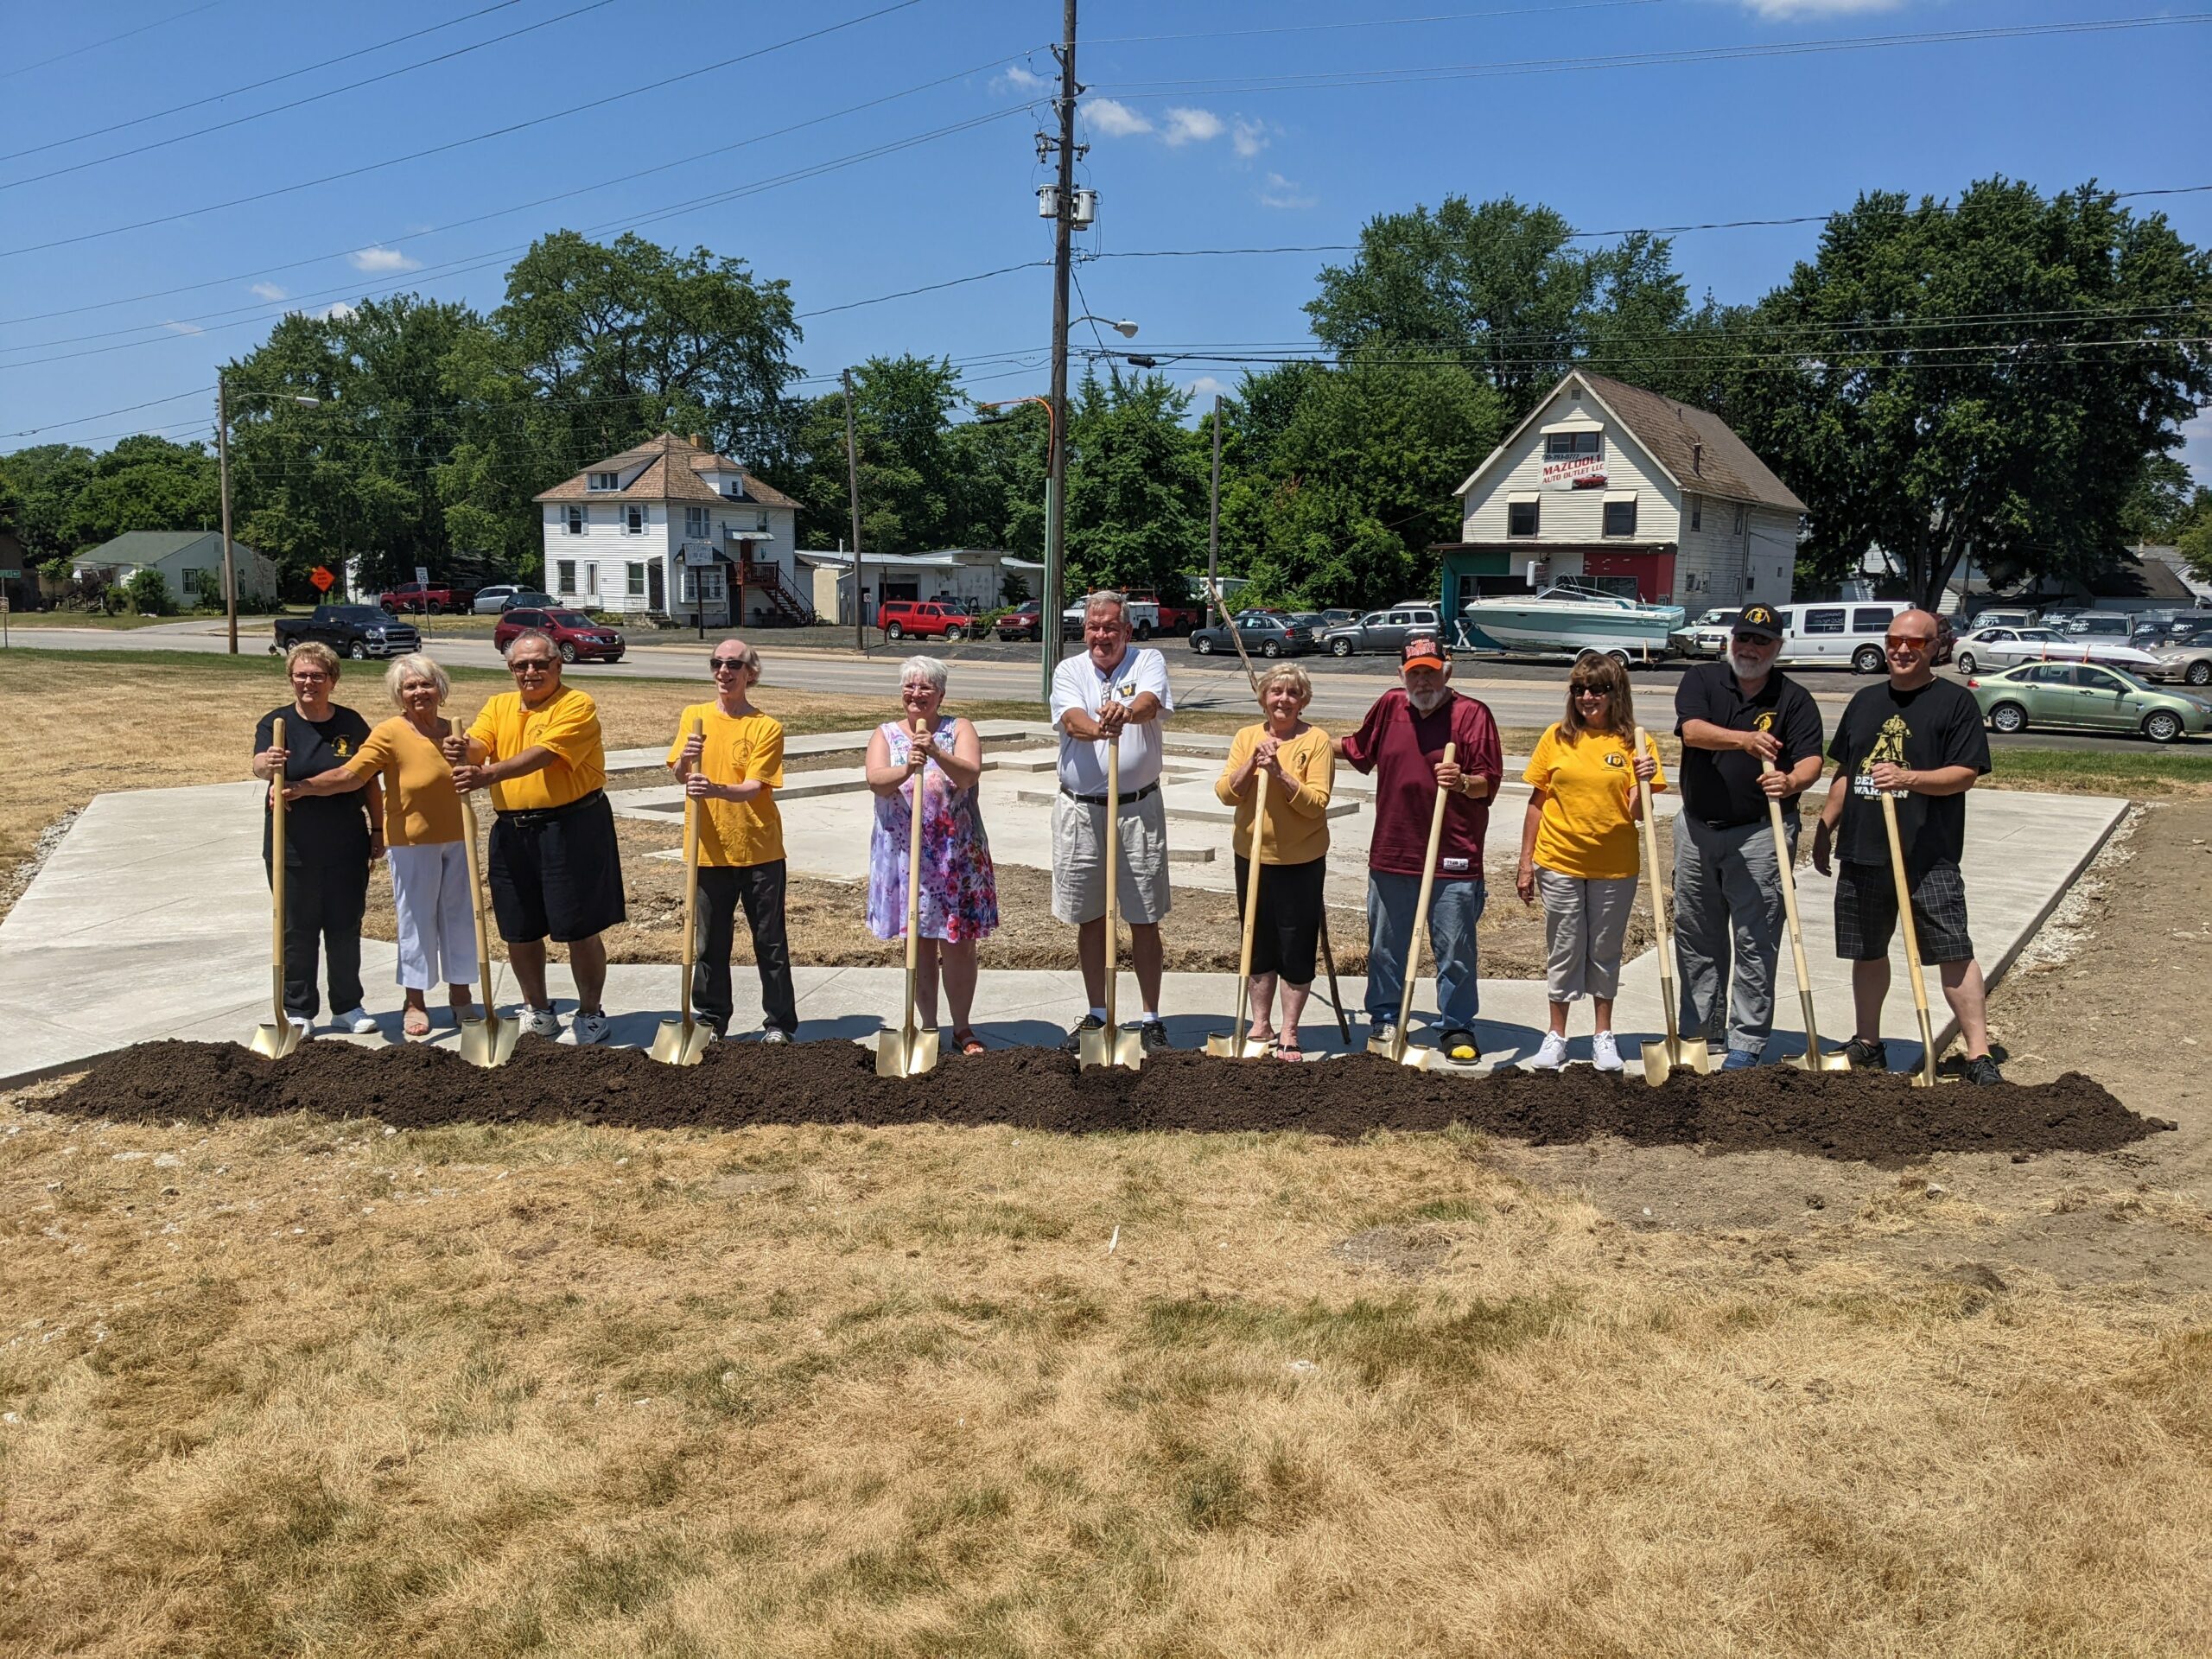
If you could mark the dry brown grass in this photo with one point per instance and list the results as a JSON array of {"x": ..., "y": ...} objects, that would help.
[{"x": 304, "y": 1387}]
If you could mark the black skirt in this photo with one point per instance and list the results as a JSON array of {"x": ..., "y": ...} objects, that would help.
[{"x": 1288, "y": 931}]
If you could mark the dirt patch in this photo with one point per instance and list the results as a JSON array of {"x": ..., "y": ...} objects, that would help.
[{"x": 742, "y": 1086}]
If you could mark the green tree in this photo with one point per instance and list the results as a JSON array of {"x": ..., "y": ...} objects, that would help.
[
  {"x": 1985, "y": 378},
  {"x": 45, "y": 480},
  {"x": 144, "y": 483},
  {"x": 908, "y": 482},
  {"x": 1136, "y": 494}
]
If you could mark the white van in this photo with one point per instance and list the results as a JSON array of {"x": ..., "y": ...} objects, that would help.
[{"x": 1838, "y": 634}]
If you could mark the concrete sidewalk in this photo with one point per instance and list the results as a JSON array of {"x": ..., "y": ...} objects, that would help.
[{"x": 151, "y": 920}]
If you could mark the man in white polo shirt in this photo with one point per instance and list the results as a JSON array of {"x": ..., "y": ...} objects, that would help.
[{"x": 1111, "y": 694}]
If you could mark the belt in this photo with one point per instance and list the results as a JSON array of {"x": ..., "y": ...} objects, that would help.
[
  {"x": 1100, "y": 800},
  {"x": 546, "y": 814}
]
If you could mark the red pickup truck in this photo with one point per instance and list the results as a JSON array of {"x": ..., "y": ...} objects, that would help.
[
  {"x": 420, "y": 598},
  {"x": 1173, "y": 618}
]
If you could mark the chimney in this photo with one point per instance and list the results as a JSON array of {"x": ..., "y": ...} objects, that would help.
[
  {"x": 1697, "y": 459},
  {"x": 698, "y": 441}
]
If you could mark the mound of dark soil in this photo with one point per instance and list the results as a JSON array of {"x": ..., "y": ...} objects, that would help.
[{"x": 1832, "y": 1115}]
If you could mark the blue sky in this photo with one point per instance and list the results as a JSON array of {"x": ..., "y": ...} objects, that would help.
[{"x": 1210, "y": 125}]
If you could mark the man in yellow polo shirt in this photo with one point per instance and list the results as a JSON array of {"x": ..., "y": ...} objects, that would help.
[
  {"x": 732, "y": 766},
  {"x": 555, "y": 869}
]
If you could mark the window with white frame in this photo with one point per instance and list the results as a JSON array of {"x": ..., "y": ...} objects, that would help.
[
  {"x": 698, "y": 523},
  {"x": 605, "y": 481},
  {"x": 576, "y": 521},
  {"x": 564, "y": 575},
  {"x": 1522, "y": 518},
  {"x": 633, "y": 520},
  {"x": 1565, "y": 446},
  {"x": 1620, "y": 516},
  {"x": 591, "y": 582},
  {"x": 634, "y": 582},
  {"x": 702, "y": 584}
]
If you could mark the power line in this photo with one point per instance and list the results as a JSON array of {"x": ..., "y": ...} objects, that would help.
[
  {"x": 271, "y": 80},
  {"x": 461, "y": 144},
  {"x": 94, "y": 45},
  {"x": 1329, "y": 79}
]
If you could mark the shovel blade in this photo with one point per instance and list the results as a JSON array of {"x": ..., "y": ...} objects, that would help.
[
  {"x": 1225, "y": 1047},
  {"x": 1657, "y": 1063},
  {"x": 897, "y": 1058},
  {"x": 490, "y": 1041},
  {"x": 682, "y": 1042},
  {"x": 1833, "y": 1060},
  {"x": 1105, "y": 1048},
  {"x": 274, "y": 1042}
]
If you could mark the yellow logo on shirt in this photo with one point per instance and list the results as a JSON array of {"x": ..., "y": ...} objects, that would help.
[
  {"x": 1889, "y": 744},
  {"x": 1764, "y": 722},
  {"x": 1126, "y": 689},
  {"x": 341, "y": 747},
  {"x": 1616, "y": 758}
]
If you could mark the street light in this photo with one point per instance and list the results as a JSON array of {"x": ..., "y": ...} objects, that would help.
[
  {"x": 223, "y": 463},
  {"x": 1125, "y": 329},
  {"x": 1048, "y": 606}
]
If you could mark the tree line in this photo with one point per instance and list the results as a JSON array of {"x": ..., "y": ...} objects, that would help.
[{"x": 2002, "y": 377}]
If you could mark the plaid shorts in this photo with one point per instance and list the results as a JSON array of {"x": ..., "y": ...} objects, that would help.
[{"x": 1867, "y": 912}]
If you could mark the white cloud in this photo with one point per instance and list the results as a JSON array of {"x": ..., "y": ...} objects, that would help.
[
  {"x": 1016, "y": 79},
  {"x": 382, "y": 260},
  {"x": 1285, "y": 193},
  {"x": 268, "y": 291},
  {"x": 1788, "y": 8},
  {"x": 1191, "y": 127},
  {"x": 336, "y": 311},
  {"x": 184, "y": 327},
  {"x": 1250, "y": 138},
  {"x": 1110, "y": 119},
  {"x": 1207, "y": 386}
]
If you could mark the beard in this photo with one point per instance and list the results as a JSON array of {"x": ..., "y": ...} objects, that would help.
[
  {"x": 1427, "y": 702},
  {"x": 1746, "y": 668}
]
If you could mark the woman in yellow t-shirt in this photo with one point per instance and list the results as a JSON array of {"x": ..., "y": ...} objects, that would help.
[
  {"x": 422, "y": 836},
  {"x": 1294, "y": 847},
  {"x": 1579, "y": 849}
]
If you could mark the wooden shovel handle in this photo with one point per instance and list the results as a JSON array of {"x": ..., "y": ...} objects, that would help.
[
  {"x": 692, "y": 727},
  {"x": 1113, "y": 850},
  {"x": 1238, "y": 1027},
  {"x": 277, "y": 871},
  {"x": 1665, "y": 940},
  {"x": 1420, "y": 906},
  {"x": 914, "y": 896}
]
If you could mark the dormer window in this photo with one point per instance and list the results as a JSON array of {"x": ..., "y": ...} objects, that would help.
[
  {"x": 733, "y": 488},
  {"x": 605, "y": 481},
  {"x": 1565, "y": 446}
]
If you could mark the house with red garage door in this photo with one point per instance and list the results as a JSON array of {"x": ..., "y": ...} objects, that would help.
[{"x": 1627, "y": 491}]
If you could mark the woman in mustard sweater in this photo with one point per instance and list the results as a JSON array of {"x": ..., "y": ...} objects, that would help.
[
  {"x": 1579, "y": 849},
  {"x": 422, "y": 832},
  {"x": 1294, "y": 847}
]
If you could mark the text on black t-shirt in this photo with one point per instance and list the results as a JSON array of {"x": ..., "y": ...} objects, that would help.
[{"x": 1932, "y": 726}]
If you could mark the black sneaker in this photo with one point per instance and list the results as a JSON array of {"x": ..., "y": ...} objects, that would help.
[
  {"x": 1866, "y": 1055},
  {"x": 1074, "y": 1043},
  {"x": 1152, "y": 1036},
  {"x": 1981, "y": 1069},
  {"x": 1459, "y": 1047}
]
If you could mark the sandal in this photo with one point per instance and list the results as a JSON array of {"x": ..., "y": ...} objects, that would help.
[
  {"x": 965, "y": 1040},
  {"x": 1287, "y": 1048},
  {"x": 415, "y": 1022}
]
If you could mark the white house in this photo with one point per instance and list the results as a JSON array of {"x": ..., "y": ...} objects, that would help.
[
  {"x": 1629, "y": 491},
  {"x": 182, "y": 557},
  {"x": 672, "y": 529}
]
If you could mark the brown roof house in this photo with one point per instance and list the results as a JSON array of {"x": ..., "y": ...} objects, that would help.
[
  {"x": 671, "y": 530},
  {"x": 1611, "y": 483}
]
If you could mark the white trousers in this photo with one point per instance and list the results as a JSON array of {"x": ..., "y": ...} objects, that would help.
[{"x": 437, "y": 932}]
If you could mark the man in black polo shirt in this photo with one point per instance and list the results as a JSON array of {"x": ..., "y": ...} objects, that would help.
[{"x": 1731, "y": 715}]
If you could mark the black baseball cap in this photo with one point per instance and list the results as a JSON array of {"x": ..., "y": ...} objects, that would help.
[{"x": 1759, "y": 621}]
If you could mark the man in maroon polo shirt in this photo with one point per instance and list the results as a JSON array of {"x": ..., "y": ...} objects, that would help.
[{"x": 1401, "y": 742}]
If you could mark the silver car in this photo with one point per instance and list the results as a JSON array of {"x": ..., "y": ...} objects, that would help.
[
  {"x": 2003, "y": 648},
  {"x": 2189, "y": 662}
]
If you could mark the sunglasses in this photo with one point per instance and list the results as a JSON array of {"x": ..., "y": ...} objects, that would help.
[
  {"x": 531, "y": 665},
  {"x": 729, "y": 665},
  {"x": 1908, "y": 642},
  {"x": 1592, "y": 691}
]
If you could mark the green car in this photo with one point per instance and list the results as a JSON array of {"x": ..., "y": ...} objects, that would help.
[{"x": 2089, "y": 695}]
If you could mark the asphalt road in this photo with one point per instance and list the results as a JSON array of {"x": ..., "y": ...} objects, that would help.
[{"x": 1519, "y": 694}]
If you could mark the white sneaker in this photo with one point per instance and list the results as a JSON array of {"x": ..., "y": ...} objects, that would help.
[
  {"x": 539, "y": 1022},
  {"x": 1552, "y": 1055},
  {"x": 584, "y": 1030},
  {"x": 1604, "y": 1052},
  {"x": 356, "y": 1020}
]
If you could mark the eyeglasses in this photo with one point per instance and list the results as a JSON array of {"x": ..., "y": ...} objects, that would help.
[
  {"x": 1908, "y": 642},
  {"x": 1592, "y": 691},
  {"x": 532, "y": 665},
  {"x": 729, "y": 665},
  {"x": 309, "y": 674}
]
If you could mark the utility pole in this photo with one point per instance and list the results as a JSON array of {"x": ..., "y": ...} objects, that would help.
[
  {"x": 853, "y": 493},
  {"x": 1213, "y": 514},
  {"x": 1063, "y": 260},
  {"x": 223, "y": 465}
]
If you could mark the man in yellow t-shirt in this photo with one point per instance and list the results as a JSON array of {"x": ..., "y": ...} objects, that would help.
[
  {"x": 556, "y": 869},
  {"x": 732, "y": 765}
]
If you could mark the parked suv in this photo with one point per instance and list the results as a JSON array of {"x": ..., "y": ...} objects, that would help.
[
  {"x": 2102, "y": 625},
  {"x": 1024, "y": 621},
  {"x": 926, "y": 618},
  {"x": 575, "y": 636},
  {"x": 1383, "y": 630}
]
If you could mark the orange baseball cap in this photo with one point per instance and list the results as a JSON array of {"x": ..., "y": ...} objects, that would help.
[{"x": 1423, "y": 653}]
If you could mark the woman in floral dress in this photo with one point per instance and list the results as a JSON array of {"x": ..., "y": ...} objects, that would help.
[{"x": 959, "y": 901}]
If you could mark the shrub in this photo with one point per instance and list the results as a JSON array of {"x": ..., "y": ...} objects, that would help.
[{"x": 149, "y": 594}]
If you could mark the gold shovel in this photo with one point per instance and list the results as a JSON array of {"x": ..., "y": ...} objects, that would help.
[
  {"x": 1109, "y": 1045},
  {"x": 1812, "y": 1060},
  {"x": 683, "y": 1040},
  {"x": 273, "y": 1042},
  {"x": 1925, "y": 1077},
  {"x": 489, "y": 1041},
  {"x": 905, "y": 1051},
  {"x": 1237, "y": 1045},
  {"x": 1661, "y": 1057},
  {"x": 1397, "y": 1050}
]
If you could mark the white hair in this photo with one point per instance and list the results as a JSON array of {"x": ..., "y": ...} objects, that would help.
[
  {"x": 1112, "y": 596},
  {"x": 416, "y": 665},
  {"x": 526, "y": 637},
  {"x": 928, "y": 669}
]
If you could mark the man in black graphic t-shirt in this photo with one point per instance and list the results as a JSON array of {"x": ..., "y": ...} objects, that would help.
[{"x": 1921, "y": 739}]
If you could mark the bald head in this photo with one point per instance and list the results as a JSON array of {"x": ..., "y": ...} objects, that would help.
[{"x": 1910, "y": 648}]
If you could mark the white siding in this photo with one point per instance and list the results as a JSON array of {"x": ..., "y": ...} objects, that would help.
[
  {"x": 1574, "y": 516},
  {"x": 603, "y": 551},
  {"x": 1722, "y": 556}
]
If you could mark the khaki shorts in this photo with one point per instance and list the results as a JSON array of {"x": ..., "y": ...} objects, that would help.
[{"x": 1079, "y": 861}]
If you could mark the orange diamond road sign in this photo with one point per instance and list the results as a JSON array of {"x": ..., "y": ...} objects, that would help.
[{"x": 322, "y": 578}]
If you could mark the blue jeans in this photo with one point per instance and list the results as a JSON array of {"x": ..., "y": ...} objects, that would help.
[{"x": 1454, "y": 908}]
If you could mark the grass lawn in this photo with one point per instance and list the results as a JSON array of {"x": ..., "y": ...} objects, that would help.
[
  {"x": 119, "y": 624},
  {"x": 2148, "y": 774}
]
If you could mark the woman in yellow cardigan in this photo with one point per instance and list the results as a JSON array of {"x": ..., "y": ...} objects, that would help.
[
  {"x": 1579, "y": 849},
  {"x": 1294, "y": 847}
]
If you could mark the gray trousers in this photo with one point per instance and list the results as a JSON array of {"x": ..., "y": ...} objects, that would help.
[
  {"x": 1585, "y": 921},
  {"x": 1728, "y": 901}
]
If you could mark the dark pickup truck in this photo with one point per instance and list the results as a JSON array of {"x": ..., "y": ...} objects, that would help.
[{"x": 355, "y": 630}]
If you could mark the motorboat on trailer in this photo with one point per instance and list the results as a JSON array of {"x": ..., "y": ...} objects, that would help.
[{"x": 1574, "y": 616}]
